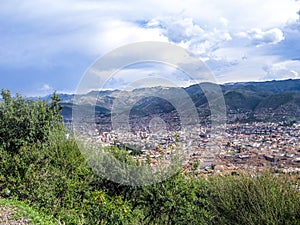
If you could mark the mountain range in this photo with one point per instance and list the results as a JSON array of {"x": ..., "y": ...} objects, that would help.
[{"x": 245, "y": 101}]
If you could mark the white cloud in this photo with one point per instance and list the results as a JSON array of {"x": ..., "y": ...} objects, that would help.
[
  {"x": 115, "y": 33},
  {"x": 43, "y": 90},
  {"x": 188, "y": 34},
  {"x": 259, "y": 37},
  {"x": 182, "y": 30},
  {"x": 283, "y": 70},
  {"x": 46, "y": 88}
]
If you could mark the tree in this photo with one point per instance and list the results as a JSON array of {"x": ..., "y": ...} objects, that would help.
[{"x": 24, "y": 121}]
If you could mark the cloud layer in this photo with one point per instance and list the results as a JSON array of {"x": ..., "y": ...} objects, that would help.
[{"x": 53, "y": 42}]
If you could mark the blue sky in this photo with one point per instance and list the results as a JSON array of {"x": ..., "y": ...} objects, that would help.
[{"x": 47, "y": 45}]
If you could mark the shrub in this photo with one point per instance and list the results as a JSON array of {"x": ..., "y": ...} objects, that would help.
[
  {"x": 24, "y": 121},
  {"x": 178, "y": 200},
  {"x": 245, "y": 200}
]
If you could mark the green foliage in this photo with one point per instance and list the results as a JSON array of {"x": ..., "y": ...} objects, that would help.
[
  {"x": 25, "y": 121},
  {"x": 104, "y": 209},
  {"x": 55, "y": 178},
  {"x": 22, "y": 210},
  {"x": 245, "y": 200},
  {"x": 179, "y": 200}
]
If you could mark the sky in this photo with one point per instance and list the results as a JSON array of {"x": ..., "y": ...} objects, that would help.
[{"x": 48, "y": 45}]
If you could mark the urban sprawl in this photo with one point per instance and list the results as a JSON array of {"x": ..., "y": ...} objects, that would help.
[{"x": 222, "y": 149}]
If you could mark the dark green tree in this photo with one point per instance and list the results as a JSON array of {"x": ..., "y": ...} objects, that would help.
[{"x": 24, "y": 121}]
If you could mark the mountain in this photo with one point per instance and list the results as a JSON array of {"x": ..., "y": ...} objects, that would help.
[
  {"x": 245, "y": 101},
  {"x": 279, "y": 86}
]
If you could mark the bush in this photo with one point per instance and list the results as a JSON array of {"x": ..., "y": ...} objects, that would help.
[
  {"x": 55, "y": 178},
  {"x": 245, "y": 200},
  {"x": 23, "y": 121},
  {"x": 178, "y": 200}
]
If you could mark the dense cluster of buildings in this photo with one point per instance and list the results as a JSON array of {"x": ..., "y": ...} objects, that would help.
[{"x": 220, "y": 149}]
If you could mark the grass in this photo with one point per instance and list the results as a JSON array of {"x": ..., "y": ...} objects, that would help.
[
  {"x": 22, "y": 210},
  {"x": 263, "y": 200}
]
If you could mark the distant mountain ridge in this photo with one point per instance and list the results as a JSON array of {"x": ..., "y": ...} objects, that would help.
[
  {"x": 245, "y": 101},
  {"x": 274, "y": 86}
]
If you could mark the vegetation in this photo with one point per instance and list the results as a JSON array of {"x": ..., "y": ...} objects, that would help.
[
  {"x": 262, "y": 200},
  {"x": 17, "y": 211},
  {"x": 42, "y": 168}
]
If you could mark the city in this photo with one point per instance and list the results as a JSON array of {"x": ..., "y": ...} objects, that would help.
[{"x": 253, "y": 147}]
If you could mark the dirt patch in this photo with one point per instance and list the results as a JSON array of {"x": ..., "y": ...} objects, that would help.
[{"x": 7, "y": 216}]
